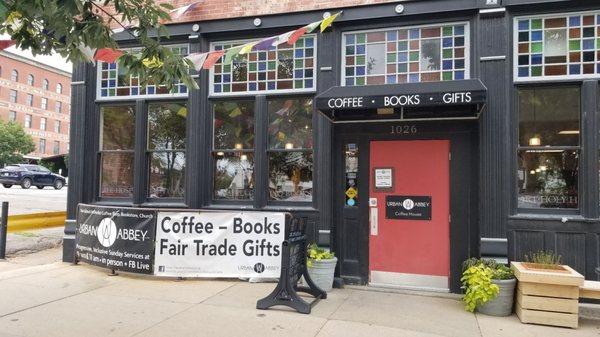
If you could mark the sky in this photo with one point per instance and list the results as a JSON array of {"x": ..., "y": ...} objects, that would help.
[{"x": 55, "y": 60}]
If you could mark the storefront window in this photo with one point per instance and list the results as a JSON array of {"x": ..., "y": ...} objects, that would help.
[
  {"x": 117, "y": 151},
  {"x": 233, "y": 150},
  {"x": 290, "y": 149},
  {"x": 413, "y": 54},
  {"x": 557, "y": 46},
  {"x": 113, "y": 81},
  {"x": 281, "y": 68},
  {"x": 166, "y": 149},
  {"x": 549, "y": 147}
]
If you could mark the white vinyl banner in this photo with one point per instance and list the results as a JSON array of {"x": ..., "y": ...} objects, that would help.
[{"x": 219, "y": 244}]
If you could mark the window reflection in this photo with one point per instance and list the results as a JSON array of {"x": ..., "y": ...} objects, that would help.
[
  {"x": 166, "y": 146},
  {"x": 116, "y": 175},
  {"x": 548, "y": 179},
  {"x": 167, "y": 175},
  {"x": 290, "y": 124},
  {"x": 234, "y": 176},
  {"x": 117, "y": 139},
  {"x": 290, "y": 176},
  {"x": 234, "y": 125},
  {"x": 549, "y": 116}
]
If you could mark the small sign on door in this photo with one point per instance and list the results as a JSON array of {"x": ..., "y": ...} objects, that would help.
[
  {"x": 383, "y": 179},
  {"x": 408, "y": 207}
]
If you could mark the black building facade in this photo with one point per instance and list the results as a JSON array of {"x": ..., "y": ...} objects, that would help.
[{"x": 482, "y": 113}]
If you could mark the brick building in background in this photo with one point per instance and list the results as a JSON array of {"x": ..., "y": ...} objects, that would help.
[{"x": 37, "y": 96}]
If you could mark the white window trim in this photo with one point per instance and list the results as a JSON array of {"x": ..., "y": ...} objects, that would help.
[
  {"x": 212, "y": 94},
  {"x": 467, "y": 47},
  {"x": 544, "y": 78},
  {"x": 120, "y": 98}
]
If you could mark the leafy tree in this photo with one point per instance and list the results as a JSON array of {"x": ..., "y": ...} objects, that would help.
[
  {"x": 14, "y": 143},
  {"x": 64, "y": 26}
]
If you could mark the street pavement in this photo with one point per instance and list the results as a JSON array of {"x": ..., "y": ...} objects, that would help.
[
  {"x": 34, "y": 200},
  {"x": 57, "y": 299}
]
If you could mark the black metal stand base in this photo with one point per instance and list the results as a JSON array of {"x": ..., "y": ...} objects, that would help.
[{"x": 286, "y": 292}]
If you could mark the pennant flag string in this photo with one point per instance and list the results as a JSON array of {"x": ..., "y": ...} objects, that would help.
[{"x": 208, "y": 59}]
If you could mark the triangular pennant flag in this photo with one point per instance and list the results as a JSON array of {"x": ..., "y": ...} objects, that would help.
[
  {"x": 179, "y": 12},
  {"x": 87, "y": 52},
  {"x": 247, "y": 47},
  {"x": 107, "y": 55},
  {"x": 153, "y": 62},
  {"x": 297, "y": 34},
  {"x": 265, "y": 44},
  {"x": 212, "y": 58},
  {"x": 6, "y": 43},
  {"x": 231, "y": 53},
  {"x": 283, "y": 38},
  {"x": 311, "y": 27},
  {"x": 197, "y": 59},
  {"x": 328, "y": 21}
]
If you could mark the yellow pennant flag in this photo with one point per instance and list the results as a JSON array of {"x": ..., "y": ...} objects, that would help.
[
  {"x": 248, "y": 47},
  {"x": 328, "y": 21},
  {"x": 154, "y": 62}
]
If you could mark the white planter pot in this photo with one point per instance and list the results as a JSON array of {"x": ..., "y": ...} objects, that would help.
[{"x": 321, "y": 272}]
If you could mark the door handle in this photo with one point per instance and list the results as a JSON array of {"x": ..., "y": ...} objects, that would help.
[{"x": 374, "y": 221}]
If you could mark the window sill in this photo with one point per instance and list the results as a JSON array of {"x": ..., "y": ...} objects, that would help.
[
  {"x": 164, "y": 204},
  {"x": 550, "y": 217}
]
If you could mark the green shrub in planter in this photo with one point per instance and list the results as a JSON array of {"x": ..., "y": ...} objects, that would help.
[
  {"x": 321, "y": 266},
  {"x": 489, "y": 287}
]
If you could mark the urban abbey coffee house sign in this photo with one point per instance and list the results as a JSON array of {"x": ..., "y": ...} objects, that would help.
[
  {"x": 116, "y": 238},
  {"x": 219, "y": 244}
]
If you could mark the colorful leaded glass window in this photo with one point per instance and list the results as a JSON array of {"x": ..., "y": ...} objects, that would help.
[
  {"x": 280, "y": 69},
  {"x": 408, "y": 54},
  {"x": 557, "y": 46},
  {"x": 113, "y": 81}
]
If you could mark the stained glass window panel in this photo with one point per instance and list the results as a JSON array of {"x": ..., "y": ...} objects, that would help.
[
  {"x": 564, "y": 46},
  {"x": 114, "y": 82},
  {"x": 282, "y": 68},
  {"x": 414, "y": 54}
]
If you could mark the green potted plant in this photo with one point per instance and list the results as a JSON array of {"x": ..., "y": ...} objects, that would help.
[
  {"x": 321, "y": 266},
  {"x": 489, "y": 287}
]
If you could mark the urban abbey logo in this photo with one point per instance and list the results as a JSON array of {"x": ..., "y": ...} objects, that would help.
[
  {"x": 408, "y": 204},
  {"x": 259, "y": 268},
  {"x": 107, "y": 232}
]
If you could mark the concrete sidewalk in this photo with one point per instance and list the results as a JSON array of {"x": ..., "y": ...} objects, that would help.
[{"x": 59, "y": 299}]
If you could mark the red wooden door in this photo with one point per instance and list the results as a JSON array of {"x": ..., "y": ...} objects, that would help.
[{"x": 406, "y": 248}]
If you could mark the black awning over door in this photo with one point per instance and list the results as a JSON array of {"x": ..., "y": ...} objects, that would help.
[{"x": 451, "y": 99}]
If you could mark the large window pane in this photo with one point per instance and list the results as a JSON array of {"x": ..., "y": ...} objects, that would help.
[
  {"x": 234, "y": 176},
  {"x": 234, "y": 125},
  {"x": 118, "y": 128},
  {"x": 166, "y": 126},
  {"x": 290, "y": 124},
  {"x": 549, "y": 116},
  {"x": 167, "y": 175},
  {"x": 116, "y": 175},
  {"x": 291, "y": 176},
  {"x": 548, "y": 179}
]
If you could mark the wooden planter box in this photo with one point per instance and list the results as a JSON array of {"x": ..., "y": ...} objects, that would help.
[{"x": 549, "y": 297}]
